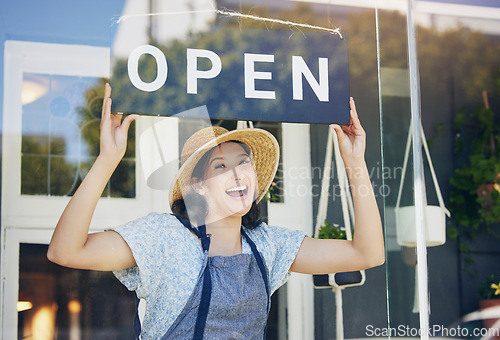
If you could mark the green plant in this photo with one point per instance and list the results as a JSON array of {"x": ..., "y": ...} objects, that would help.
[
  {"x": 490, "y": 289},
  {"x": 271, "y": 194},
  {"x": 475, "y": 198},
  {"x": 331, "y": 231},
  {"x": 475, "y": 195}
]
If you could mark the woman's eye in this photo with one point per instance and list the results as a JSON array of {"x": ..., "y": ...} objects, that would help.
[
  {"x": 220, "y": 166},
  {"x": 245, "y": 161}
]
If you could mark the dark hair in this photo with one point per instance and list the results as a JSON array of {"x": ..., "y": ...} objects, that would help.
[{"x": 250, "y": 220}]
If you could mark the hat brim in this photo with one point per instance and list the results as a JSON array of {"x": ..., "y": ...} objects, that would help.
[{"x": 265, "y": 151}]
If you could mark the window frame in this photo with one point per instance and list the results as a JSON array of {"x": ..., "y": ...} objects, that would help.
[
  {"x": 296, "y": 153},
  {"x": 10, "y": 274},
  {"x": 30, "y": 211}
]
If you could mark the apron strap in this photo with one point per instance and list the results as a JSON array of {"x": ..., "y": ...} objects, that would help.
[
  {"x": 206, "y": 290},
  {"x": 263, "y": 271},
  {"x": 137, "y": 320},
  {"x": 206, "y": 294},
  {"x": 260, "y": 263},
  {"x": 201, "y": 232}
]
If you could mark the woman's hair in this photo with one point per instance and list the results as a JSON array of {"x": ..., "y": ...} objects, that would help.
[{"x": 198, "y": 206}]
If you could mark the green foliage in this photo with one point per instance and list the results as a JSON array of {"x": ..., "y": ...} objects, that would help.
[
  {"x": 438, "y": 128},
  {"x": 331, "y": 231},
  {"x": 43, "y": 170},
  {"x": 474, "y": 199},
  {"x": 271, "y": 195}
]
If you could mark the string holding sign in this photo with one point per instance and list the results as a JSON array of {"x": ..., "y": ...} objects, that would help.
[
  {"x": 229, "y": 13},
  {"x": 278, "y": 21}
]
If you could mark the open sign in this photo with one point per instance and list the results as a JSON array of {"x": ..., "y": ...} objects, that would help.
[
  {"x": 300, "y": 70},
  {"x": 238, "y": 74}
]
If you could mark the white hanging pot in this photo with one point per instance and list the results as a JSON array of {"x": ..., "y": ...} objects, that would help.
[
  {"x": 434, "y": 216},
  {"x": 435, "y": 226},
  {"x": 339, "y": 280}
]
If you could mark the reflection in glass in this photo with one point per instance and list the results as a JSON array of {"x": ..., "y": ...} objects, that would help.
[
  {"x": 62, "y": 303},
  {"x": 60, "y": 136},
  {"x": 34, "y": 87}
]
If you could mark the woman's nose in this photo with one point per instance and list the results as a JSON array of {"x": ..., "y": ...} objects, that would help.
[{"x": 236, "y": 173}]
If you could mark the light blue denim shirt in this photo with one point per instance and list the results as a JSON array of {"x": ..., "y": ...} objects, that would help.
[{"x": 169, "y": 258}]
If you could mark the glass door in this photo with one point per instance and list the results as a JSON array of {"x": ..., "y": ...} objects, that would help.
[{"x": 53, "y": 302}]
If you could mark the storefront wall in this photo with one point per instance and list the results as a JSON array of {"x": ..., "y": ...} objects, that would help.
[{"x": 60, "y": 54}]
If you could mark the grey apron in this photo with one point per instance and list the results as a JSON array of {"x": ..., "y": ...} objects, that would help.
[{"x": 231, "y": 299}]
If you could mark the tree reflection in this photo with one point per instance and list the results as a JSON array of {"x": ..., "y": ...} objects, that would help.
[
  {"x": 60, "y": 142},
  {"x": 122, "y": 182},
  {"x": 42, "y": 171}
]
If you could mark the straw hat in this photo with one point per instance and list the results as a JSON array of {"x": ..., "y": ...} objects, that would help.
[{"x": 263, "y": 145}]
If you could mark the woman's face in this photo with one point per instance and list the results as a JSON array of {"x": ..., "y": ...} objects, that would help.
[{"x": 229, "y": 181}]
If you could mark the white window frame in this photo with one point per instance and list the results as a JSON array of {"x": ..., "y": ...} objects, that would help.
[
  {"x": 295, "y": 212},
  {"x": 10, "y": 274},
  {"x": 29, "y": 211}
]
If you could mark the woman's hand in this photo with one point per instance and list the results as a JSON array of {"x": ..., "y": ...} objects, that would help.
[
  {"x": 114, "y": 131},
  {"x": 366, "y": 249},
  {"x": 71, "y": 244},
  {"x": 352, "y": 138}
]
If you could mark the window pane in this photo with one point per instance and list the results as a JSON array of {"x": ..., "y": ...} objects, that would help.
[
  {"x": 62, "y": 303},
  {"x": 276, "y": 193},
  {"x": 60, "y": 136}
]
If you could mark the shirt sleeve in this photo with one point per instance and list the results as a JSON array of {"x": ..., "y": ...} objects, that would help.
[
  {"x": 279, "y": 247},
  {"x": 143, "y": 236}
]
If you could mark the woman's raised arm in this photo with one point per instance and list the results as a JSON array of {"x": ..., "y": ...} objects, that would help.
[
  {"x": 71, "y": 243},
  {"x": 318, "y": 256}
]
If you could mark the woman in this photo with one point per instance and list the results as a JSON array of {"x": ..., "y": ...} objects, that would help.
[{"x": 201, "y": 273}]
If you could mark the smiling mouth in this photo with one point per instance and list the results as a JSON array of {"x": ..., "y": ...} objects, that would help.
[{"x": 237, "y": 192}]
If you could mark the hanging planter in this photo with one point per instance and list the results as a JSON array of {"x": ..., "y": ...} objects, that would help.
[
  {"x": 434, "y": 216},
  {"x": 336, "y": 280},
  {"x": 339, "y": 280},
  {"x": 435, "y": 226},
  {"x": 327, "y": 230}
]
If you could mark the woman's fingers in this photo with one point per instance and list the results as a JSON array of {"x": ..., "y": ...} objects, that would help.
[
  {"x": 106, "y": 105},
  {"x": 107, "y": 94},
  {"x": 354, "y": 115},
  {"x": 127, "y": 121},
  {"x": 351, "y": 137},
  {"x": 114, "y": 130},
  {"x": 339, "y": 131},
  {"x": 119, "y": 128}
]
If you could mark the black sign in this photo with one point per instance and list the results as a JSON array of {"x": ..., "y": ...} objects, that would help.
[{"x": 243, "y": 74}]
